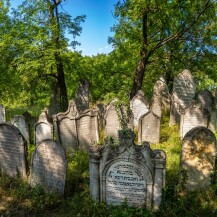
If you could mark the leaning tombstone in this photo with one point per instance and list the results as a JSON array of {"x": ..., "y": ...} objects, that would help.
[
  {"x": 149, "y": 128},
  {"x": 43, "y": 128},
  {"x": 198, "y": 159},
  {"x": 139, "y": 107},
  {"x": 193, "y": 116},
  {"x": 82, "y": 97},
  {"x": 13, "y": 151},
  {"x": 182, "y": 96},
  {"x": 127, "y": 172},
  {"x": 20, "y": 122},
  {"x": 2, "y": 114},
  {"x": 48, "y": 167}
]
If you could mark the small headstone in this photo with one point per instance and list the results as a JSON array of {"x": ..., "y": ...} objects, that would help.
[
  {"x": 213, "y": 120},
  {"x": 43, "y": 128},
  {"x": 20, "y": 122},
  {"x": 13, "y": 151},
  {"x": 48, "y": 167},
  {"x": 2, "y": 114},
  {"x": 83, "y": 95},
  {"x": 130, "y": 173},
  {"x": 183, "y": 94},
  {"x": 197, "y": 159},
  {"x": 139, "y": 107},
  {"x": 205, "y": 98},
  {"x": 149, "y": 128},
  {"x": 193, "y": 116}
]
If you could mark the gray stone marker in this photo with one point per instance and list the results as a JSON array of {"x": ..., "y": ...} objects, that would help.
[
  {"x": 206, "y": 99},
  {"x": 2, "y": 114},
  {"x": 20, "y": 122},
  {"x": 182, "y": 96},
  {"x": 193, "y": 116},
  {"x": 76, "y": 130},
  {"x": 83, "y": 95},
  {"x": 139, "y": 107},
  {"x": 43, "y": 128},
  {"x": 128, "y": 172},
  {"x": 149, "y": 128},
  {"x": 13, "y": 151},
  {"x": 48, "y": 167},
  {"x": 197, "y": 159}
]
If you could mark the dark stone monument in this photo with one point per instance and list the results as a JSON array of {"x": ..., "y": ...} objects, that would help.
[
  {"x": 48, "y": 167},
  {"x": 206, "y": 99},
  {"x": 13, "y": 151}
]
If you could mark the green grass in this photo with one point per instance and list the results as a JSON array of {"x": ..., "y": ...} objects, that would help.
[{"x": 18, "y": 199}]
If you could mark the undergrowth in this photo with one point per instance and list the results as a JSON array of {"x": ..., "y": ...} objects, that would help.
[{"x": 18, "y": 199}]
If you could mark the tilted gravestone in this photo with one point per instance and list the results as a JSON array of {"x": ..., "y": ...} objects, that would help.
[
  {"x": 197, "y": 159},
  {"x": 139, "y": 107},
  {"x": 131, "y": 173},
  {"x": 193, "y": 116},
  {"x": 76, "y": 130},
  {"x": 43, "y": 128},
  {"x": 13, "y": 151},
  {"x": 48, "y": 167},
  {"x": 149, "y": 128},
  {"x": 2, "y": 114},
  {"x": 182, "y": 96},
  {"x": 83, "y": 95},
  {"x": 20, "y": 122}
]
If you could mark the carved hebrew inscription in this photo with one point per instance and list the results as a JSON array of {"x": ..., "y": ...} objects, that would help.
[{"x": 125, "y": 181}]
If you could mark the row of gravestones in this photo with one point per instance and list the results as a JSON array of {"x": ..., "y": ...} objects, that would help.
[{"x": 126, "y": 172}]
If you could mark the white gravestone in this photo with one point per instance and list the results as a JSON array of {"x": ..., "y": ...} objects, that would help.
[
  {"x": 2, "y": 114},
  {"x": 131, "y": 173},
  {"x": 13, "y": 151},
  {"x": 48, "y": 167},
  {"x": 198, "y": 159}
]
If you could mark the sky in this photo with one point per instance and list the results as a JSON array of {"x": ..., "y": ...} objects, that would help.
[{"x": 96, "y": 28}]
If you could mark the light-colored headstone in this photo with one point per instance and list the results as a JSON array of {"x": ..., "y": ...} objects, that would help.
[
  {"x": 20, "y": 122},
  {"x": 48, "y": 167},
  {"x": 76, "y": 130},
  {"x": 43, "y": 128},
  {"x": 182, "y": 96},
  {"x": 139, "y": 107},
  {"x": 2, "y": 114},
  {"x": 13, "y": 151},
  {"x": 130, "y": 173},
  {"x": 193, "y": 116},
  {"x": 83, "y": 95},
  {"x": 149, "y": 128},
  {"x": 197, "y": 159}
]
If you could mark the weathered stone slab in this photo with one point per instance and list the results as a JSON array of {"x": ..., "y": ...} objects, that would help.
[
  {"x": 43, "y": 128},
  {"x": 20, "y": 122},
  {"x": 149, "y": 128},
  {"x": 13, "y": 151},
  {"x": 2, "y": 114},
  {"x": 206, "y": 99},
  {"x": 193, "y": 116},
  {"x": 130, "y": 173},
  {"x": 76, "y": 130},
  {"x": 48, "y": 167},
  {"x": 197, "y": 159},
  {"x": 139, "y": 107},
  {"x": 182, "y": 96}
]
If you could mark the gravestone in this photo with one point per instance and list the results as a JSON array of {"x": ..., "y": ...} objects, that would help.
[
  {"x": 83, "y": 95},
  {"x": 76, "y": 130},
  {"x": 43, "y": 128},
  {"x": 193, "y": 116},
  {"x": 20, "y": 122},
  {"x": 48, "y": 167},
  {"x": 205, "y": 98},
  {"x": 2, "y": 114},
  {"x": 139, "y": 107},
  {"x": 197, "y": 159},
  {"x": 131, "y": 173},
  {"x": 149, "y": 128},
  {"x": 13, "y": 151},
  {"x": 182, "y": 96}
]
